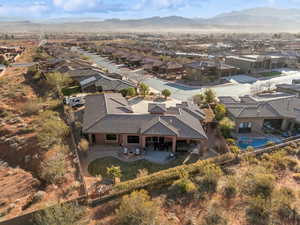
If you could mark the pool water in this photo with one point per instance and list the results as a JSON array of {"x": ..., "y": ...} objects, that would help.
[{"x": 245, "y": 142}]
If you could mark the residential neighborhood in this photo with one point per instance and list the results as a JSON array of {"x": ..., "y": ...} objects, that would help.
[{"x": 149, "y": 126}]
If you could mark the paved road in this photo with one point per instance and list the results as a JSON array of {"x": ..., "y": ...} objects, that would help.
[{"x": 184, "y": 92}]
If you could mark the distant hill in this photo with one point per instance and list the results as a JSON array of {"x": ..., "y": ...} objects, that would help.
[{"x": 256, "y": 19}]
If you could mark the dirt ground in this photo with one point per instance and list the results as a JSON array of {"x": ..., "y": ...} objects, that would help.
[{"x": 18, "y": 147}]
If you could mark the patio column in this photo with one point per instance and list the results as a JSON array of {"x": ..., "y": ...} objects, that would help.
[
  {"x": 143, "y": 140},
  {"x": 90, "y": 139},
  {"x": 174, "y": 144}
]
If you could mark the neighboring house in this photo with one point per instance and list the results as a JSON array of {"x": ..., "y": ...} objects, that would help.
[
  {"x": 256, "y": 63},
  {"x": 101, "y": 82},
  {"x": 250, "y": 115},
  {"x": 289, "y": 88},
  {"x": 109, "y": 119},
  {"x": 208, "y": 70}
]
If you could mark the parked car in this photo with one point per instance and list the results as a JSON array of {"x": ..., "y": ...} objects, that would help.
[{"x": 74, "y": 101}]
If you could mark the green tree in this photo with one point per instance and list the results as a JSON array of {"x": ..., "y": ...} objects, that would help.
[
  {"x": 62, "y": 214},
  {"x": 128, "y": 92},
  {"x": 199, "y": 99},
  {"x": 58, "y": 81},
  {"x": 144, "y": 89},
  {"x": 137, "y": 209},
  {"x": 166, "y": 93},
  {"x": 220, "y": 111},
  {"x": 226, "y": 125},
  {"x": 210, "y": 96}
]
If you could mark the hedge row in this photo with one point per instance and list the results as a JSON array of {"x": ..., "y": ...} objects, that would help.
[{"x": 168, "y": 175}]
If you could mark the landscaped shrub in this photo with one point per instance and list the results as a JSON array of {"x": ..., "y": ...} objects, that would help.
[
  {"x": 226, "y": 126},
  {"x": 142, "y": 173},
  {"x": 114, "y": 172},
  {"x": 220, "y": 111},
  {"x": 137, "y": 209}
]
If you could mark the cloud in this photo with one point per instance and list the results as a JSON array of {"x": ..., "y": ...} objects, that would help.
[
  {"x": 167, "y": 4},
  {"x": 87, "y": 6},
  {"x": 34, "y": 9}
]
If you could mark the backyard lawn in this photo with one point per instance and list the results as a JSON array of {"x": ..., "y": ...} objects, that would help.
[{"x": 129, "y": 169}]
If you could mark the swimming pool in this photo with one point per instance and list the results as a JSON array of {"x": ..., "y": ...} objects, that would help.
[{"x": 245, "y": 142}]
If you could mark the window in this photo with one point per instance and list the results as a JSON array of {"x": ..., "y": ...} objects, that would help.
[
  {"x": 133, "y": 139},
  {"x": 111, "y": 137}
]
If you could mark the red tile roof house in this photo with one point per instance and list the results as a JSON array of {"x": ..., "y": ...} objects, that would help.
[{"x": 109, "y": 119}]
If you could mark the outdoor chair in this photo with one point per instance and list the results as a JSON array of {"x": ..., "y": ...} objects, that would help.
[
  {"x": 125, "y": 151},
  {"x": 137, "y": 151}
]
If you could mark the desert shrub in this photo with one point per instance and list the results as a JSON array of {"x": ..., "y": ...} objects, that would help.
[
  {"x": 231, "y": 141},
  {"x": 277, "y": 160},
  {"x": 235, "y": 150},
  {"x": 137, "y": 209},
  {"x": 291, "y": 162},
  {"x": 142, "y": 173},
  {"x": 270, "y": 143},
  {"x": 297, "y": 177},
  {"x": 230, "y": 188},
  {"x": 183, "y": 185},
  {"x": 282, "y": 200},
  {"x": 32, "y": 107},
  {"x": 250, "y": 149},
  {"x": 62, "y": 214},
  {"x": 257, "y": 212},
  {"x": 296, "y": 169},
  {"x": 51, "y": 129},
  {"x": 209, "y": 177},
  {"x": 214, "y": 217},
  {"x": 259, "y": 184},
  {"x": 54, "y": 169}
]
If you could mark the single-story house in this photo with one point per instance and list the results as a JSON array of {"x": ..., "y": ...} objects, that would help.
[
  {"x": 250, "y": 115},
  {"x": 289, "y": 88},
  {"x": 109, "y": 119}
]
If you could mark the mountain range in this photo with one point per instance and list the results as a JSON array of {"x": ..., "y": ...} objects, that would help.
[{"x": 252, "y": 20}]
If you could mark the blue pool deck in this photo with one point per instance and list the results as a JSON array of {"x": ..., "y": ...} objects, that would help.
[{"x": 256, "y": 142}]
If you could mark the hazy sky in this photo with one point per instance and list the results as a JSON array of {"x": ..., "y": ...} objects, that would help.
[{"x": 131, "y": 8}]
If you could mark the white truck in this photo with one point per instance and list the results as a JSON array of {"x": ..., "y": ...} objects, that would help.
[{"x": 74, "y": 101}]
